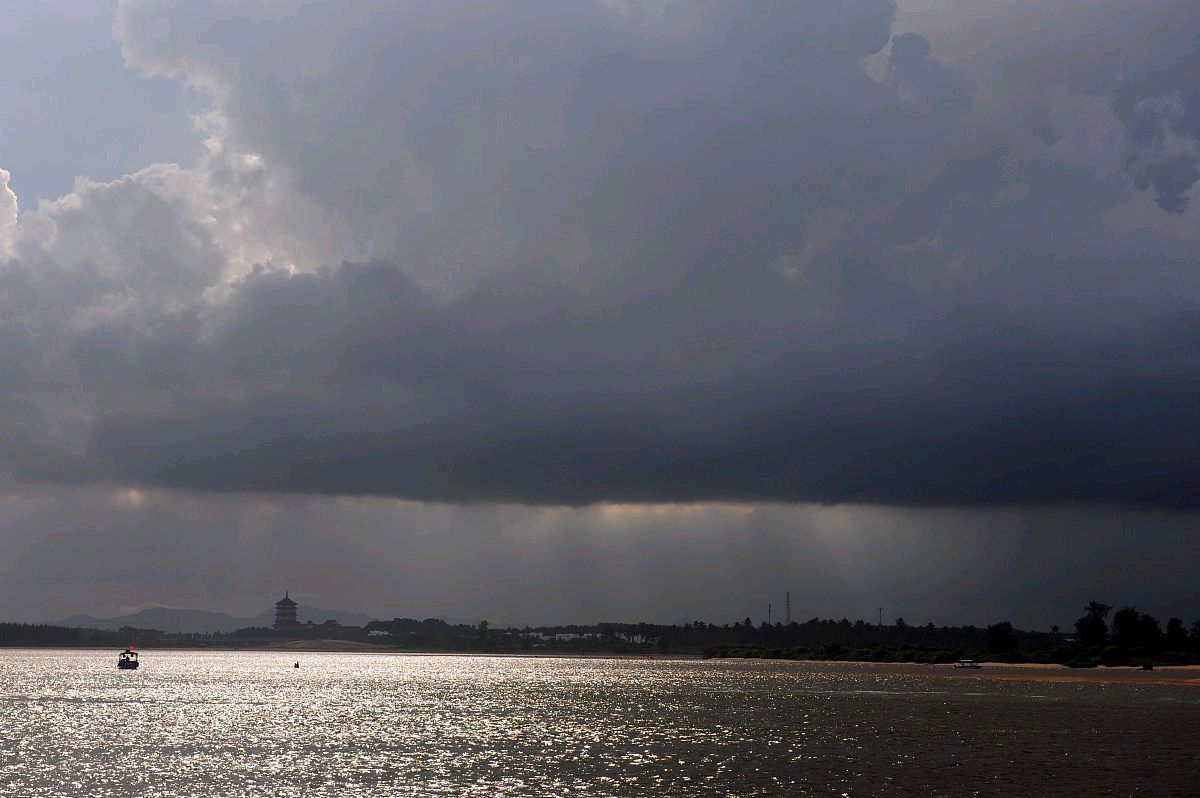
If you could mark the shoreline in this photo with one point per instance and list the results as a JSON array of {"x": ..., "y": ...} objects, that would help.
[
  {"x": 352, "y": 647},
  {"x": 1182, "y": 674},
  {"x": 1179, "y": 675}
]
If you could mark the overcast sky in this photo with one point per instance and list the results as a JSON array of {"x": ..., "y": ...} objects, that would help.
[{"x": 601, "y": 310}]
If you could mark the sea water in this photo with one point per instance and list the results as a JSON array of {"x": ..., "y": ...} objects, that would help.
[{"x": 208, "y": 723}]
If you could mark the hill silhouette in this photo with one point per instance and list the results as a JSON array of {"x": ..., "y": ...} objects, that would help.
[{"x": 173, "y": 619}]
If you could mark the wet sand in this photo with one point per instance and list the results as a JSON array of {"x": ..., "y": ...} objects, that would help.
[
  {"x": 1122, "y": 674},
  {"x": 1047, "y": 672}
]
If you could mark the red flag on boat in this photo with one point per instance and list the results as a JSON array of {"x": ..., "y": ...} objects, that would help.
[{"x": 133, "y": 648}]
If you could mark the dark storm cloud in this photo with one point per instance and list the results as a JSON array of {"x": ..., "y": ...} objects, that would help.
[
  {"x": 624, "y": 252},
  {"x": 1135, "y": 57},
  {"x": 1004, "y": 414}
]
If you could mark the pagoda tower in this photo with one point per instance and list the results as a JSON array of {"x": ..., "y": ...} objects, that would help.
[{"x": 285, "y": 613}]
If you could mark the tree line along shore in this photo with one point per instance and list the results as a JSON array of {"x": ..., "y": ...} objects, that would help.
[
  {"x": 1101, "y": 636},
  {"x": 1130, "y": 637}
]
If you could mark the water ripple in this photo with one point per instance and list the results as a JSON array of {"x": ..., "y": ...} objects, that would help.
[{"x": 249, "y": 724}]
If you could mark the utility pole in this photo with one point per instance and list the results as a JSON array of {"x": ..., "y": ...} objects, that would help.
[
  {"x": 788, "y": 619},
  {"x": 768, "y": 613}
]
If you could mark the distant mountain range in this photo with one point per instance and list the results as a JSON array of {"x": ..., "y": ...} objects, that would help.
[{"x": 168, "y": 619}]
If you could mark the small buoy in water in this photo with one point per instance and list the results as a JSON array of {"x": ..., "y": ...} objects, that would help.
[{"x": 297, "y": 665}]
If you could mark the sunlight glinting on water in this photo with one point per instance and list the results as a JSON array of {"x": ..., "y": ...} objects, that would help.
[{"x": 250, "y": 723}]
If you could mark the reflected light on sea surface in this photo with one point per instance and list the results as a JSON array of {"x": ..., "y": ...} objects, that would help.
[{"x": 248, "y": 723}]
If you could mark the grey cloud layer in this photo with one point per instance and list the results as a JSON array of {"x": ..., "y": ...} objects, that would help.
[
  {"x": 108, "y": 555},
  {"x": 562, "y": 253}
]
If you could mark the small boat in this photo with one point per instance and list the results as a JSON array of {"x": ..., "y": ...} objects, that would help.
[
  {"x": 128, "y": 660},
  {"x": 968, "y": 664}
]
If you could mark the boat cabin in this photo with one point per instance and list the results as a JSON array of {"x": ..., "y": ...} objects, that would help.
[{"x": 127, "y": 659}]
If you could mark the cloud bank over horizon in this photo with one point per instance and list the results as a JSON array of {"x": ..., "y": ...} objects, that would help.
[
  {"x": 423, "y": 281},
  {"x": 562, "y": 254},
  {"x": 628, "y": 252}
]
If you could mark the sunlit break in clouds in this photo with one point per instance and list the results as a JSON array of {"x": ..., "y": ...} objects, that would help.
[{"x": 599, "y": 309}]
